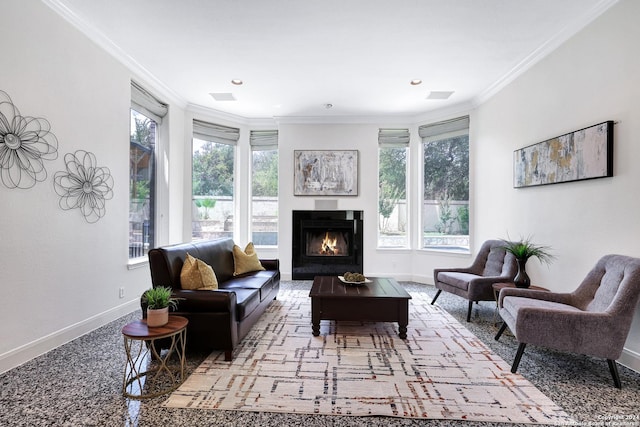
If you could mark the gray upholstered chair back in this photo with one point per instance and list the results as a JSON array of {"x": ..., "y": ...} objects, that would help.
[
  {"x": 494, "y": 259},
  {"x": 612, "y": 286}
]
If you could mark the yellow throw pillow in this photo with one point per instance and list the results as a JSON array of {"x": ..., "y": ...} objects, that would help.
[
  {"x": 197, "y": 274},
  {"x": 246, "y": 261}
]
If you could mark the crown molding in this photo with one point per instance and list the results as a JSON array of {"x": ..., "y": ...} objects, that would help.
[
  {"x": 111, "y": 48},
  {"x": 234, "y": 118},
  {"x": 389, "y": 120},
  {"x": 549, "y": 46},
  {"x": 460, "y": 109}
]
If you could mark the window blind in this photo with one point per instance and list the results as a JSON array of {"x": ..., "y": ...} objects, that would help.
[
  {"x": 215, "y": 133},
  {"x": 444, "y": 127},
  {"x": 144, "y": 102},
  {"x": 393, "y": 138},
  {"x": 263, "y": 140}
]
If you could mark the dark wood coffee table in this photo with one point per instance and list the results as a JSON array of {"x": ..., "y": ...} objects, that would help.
[{"x": 382, "y": 300}]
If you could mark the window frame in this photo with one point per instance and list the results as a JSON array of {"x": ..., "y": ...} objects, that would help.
[
  {"x": 251, "y": 201},
  {"x": 421, "y": 217},
  {"x": 407, "y": 234},
  {"x": 234, "y": 198}
]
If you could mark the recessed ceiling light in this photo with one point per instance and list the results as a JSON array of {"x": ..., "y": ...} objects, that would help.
[
  {"x": 327, "y": 106},
  {"x": 237, "y": 82},
  {"x": 415, "y": 82},
  {"x": 440, "y": 94}
]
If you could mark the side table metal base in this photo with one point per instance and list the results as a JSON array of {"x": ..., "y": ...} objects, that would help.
[{"x": 148, "y": 373}]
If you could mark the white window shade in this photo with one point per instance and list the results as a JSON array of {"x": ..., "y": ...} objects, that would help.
[
  {"x": 263, "y": 140},
  {"x": 144, "y": 102},
  {"x": 444, "y": 127},
  {"x": 393, "y": 138},
  {"x": 215, "y": 133}
]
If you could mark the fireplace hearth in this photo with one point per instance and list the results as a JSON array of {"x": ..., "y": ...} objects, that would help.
[{"x": 326, "y": 243}]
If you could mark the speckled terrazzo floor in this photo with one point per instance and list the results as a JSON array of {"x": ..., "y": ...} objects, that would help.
[{"x": 79, "y": 384}]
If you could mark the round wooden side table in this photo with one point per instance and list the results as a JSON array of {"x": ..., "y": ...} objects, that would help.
[{"x": 147, "y": 373}]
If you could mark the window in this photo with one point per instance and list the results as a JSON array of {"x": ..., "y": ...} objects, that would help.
[
  {"x": 445, "y": 201},
  {"x": 146, "y": 117},
  {"x": 264, "y": 187},
  {"x": 212, "y": 180},
  {"x": 393, "y": 146}
]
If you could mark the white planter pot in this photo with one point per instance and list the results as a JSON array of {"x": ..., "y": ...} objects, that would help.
[{"x": 159, "y": 317}]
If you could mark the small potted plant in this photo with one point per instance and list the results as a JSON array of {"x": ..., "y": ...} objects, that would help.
[
  {"x": 158, "y": 301},
  {"x": 522, "y": 250}
]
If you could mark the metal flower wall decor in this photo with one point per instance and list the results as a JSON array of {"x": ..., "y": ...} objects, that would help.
[
  {"x": 25, "y": 142},
  {"x": 84, "y": 185}
]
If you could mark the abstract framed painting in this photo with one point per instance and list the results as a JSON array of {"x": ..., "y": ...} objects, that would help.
[
  {"x": 325, "y": 173},
  {"x": 583, "y": 154}
]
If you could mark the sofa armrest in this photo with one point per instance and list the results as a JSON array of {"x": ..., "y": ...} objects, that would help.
[
  {"x": 219, "y": 300},
  {"x": 270, "y": 264}
]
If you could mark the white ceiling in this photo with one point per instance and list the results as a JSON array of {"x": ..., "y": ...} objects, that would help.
[{"x": 296, "y": 56}]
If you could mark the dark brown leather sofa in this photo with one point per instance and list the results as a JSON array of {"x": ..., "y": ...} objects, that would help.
[{"x": 218, "y": 319}]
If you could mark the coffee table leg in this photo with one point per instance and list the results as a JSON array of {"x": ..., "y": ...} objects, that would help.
[
  {"x": 404, "y": 319},
  {"x": 402, "y": 331},
  {"x": 315, "y": 317}
]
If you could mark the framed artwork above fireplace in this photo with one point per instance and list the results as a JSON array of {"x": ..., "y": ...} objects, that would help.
[{"x": 325, "y": 173}]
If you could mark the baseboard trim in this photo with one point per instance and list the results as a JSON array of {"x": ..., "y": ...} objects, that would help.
[
  {"x": 425, "y": 280},
  {"x": 630, "y": 359},
  {"x": 23, "y": 354}
]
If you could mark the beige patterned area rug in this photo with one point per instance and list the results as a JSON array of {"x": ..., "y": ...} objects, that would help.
[{"x": 442, "y": 371}]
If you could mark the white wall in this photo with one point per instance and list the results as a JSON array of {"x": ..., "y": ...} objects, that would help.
[
  {"x": 590, "y": 79},
  {"x": 61, "y": 275}
]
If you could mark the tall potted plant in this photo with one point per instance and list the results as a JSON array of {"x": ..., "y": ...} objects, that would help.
[
  {"x": 522, "y": 250},
  {"x": 158, "y": 301}
]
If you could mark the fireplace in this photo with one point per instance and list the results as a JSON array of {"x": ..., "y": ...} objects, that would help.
[{"x": 326, "y": 243}]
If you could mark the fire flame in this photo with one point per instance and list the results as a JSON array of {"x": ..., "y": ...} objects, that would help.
[{"x": 329, "y": 245}]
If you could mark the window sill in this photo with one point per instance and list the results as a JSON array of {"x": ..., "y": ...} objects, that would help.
[
  {"x": 397, "y": 249},
  {"x": 446, "y": 251},
  {"x": 136, "y": 263}
]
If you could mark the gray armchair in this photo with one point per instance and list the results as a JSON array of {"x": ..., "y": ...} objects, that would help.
[
  {"x": 593, "y": 320},
  {"x": 492, "y": 265}
]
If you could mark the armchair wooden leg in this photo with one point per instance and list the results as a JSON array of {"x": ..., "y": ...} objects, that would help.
[
  {"x": 516, "y": 361},
  {"x": 469, "y": 311},
  {"x": 502, "y": 329},
  {"x": 613, "y": 368},
  {"x": 436, "y": 297}
]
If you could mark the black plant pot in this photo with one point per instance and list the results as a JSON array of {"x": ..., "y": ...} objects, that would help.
[{"x": 522, "y": 279}]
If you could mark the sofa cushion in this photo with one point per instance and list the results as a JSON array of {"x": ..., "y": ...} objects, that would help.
[
  {"x": 247, "y": 301},
  {"x": 263, "y": 282},
  {"x": 196, "y": 274},
  {"x": 245, "y": 261}
]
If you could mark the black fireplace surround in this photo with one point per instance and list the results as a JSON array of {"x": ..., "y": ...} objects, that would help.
[{"x": 326, "y": 243}]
